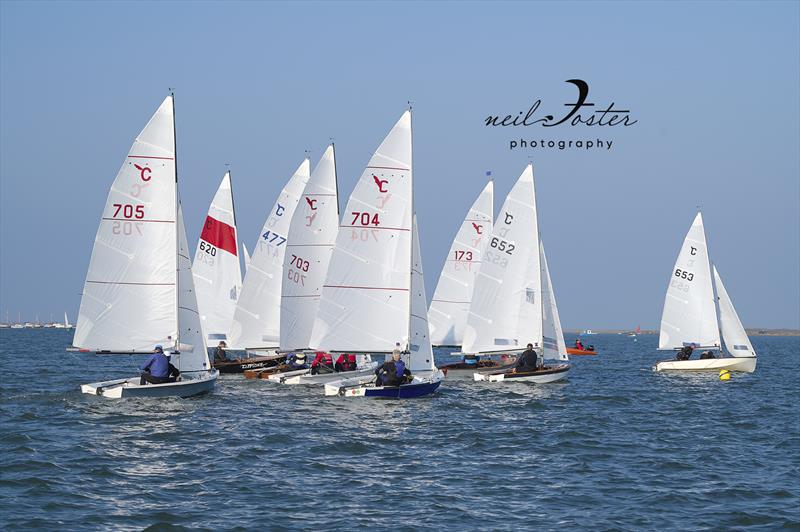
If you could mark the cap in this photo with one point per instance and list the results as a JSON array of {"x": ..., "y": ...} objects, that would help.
[{"x": 158, "y": 348}]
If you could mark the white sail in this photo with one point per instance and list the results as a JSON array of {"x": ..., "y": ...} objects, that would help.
[
  {"x": 506, "y": 309},
  {"x": 129, "y": 297},
  {"x": 453, "y": 295},
  {"x": 690, "y": 314},
  {"x": 552, "y": 334},
  {"x": 193, "y": 355},
  {"x": 365, "y": 298},
  {"x": 736, "y": 340},
  {"x": 419, "y": 343},
  {"x": 66, "y": 321},
  {"x": 246, "y": 256},
  {"x": 256, "y": 320},
  {"x": 312, "y": 234},
  {"x": 217, "y": 276}
]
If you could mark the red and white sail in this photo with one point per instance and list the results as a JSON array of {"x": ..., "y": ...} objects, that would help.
[
  {"x": 453, "y": 295},
  {"x": 256, "y": 320},
  {"x": 130, "y": 295},
  {"x": 312, "y": 234},
  {"x": 217, "y": 275},
  {"x": 365, "y": 303}
]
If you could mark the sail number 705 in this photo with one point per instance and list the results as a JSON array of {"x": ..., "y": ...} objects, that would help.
[{"x": 128, "y": 211}]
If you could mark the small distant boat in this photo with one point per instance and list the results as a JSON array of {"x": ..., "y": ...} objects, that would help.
[
  {"x": 513, "y": 303},
  {"x": 139, "y": 290},
  {"x": 373, "y": 298},
  {"x": 693, "y": 317},
  {"x": 636, "y": 332},
  {"x": 588, "y": 332},
  {"x": 581, "y": 352}
]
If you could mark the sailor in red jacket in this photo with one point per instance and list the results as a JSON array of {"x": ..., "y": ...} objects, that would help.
[
  {"x": 323, "y": 363},
  {"x": 346, "y": 362}
]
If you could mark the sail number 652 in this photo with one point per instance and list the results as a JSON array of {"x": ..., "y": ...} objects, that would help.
[{"x": 502, "y": 245}]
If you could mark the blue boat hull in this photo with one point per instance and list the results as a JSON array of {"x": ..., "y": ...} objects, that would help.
[{"x": 407, "y": 391}]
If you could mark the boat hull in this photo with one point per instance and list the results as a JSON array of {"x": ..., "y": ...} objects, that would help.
[
  {"x": 127, "y": 388},
  {"x": 580, "y": 352},
  {"x": 423, "y": 384},
  {"x": 253, "y": 363},
  {"x": 744, "y": 364},
  {"x": 305, "y": 376},
  {"x": 541, "y": 376}
]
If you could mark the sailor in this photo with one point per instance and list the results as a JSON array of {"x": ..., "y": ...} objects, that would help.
[
  {"x": 685, "y": 353},
  {"x": 157, "y": 369},
  {"x": 527, "y": 362},
  {"x": 578, "y": 344},
  {"x": 296, "y": 361},
  {"x": 323, "y": 363},
  {"x": 393, "y": 372},
  {"x": 346, "y": 362},
  {"x": 707, "y": 355},
  {"x": 219, "y": 352}
]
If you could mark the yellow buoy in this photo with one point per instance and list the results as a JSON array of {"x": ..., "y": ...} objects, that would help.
[{"x": 724, "y": 375}]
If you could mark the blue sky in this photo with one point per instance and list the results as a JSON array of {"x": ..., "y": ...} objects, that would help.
[{"x": 713, "y": 85}]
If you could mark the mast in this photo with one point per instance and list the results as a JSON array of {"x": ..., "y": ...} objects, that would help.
[
  {"x": 177, "y": 250},
  {"x": 411, "y": 240}
]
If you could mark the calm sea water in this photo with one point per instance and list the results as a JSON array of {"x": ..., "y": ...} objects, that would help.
[{"x": 617, "y": 446}]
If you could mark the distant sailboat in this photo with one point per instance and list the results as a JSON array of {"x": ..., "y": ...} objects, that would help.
[
  {"x": 366, "y": 303},
  {"x": 451, "y": 300},
  {"x": 256, "y": 320},
  {"x": 139, "y": 290},
  {"x": 690, "y": 312},
  {"x": 216, "y": 270},
  {"x": 513, "y": 303}
]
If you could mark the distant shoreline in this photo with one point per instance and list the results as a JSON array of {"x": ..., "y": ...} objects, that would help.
[{"x": 750, "y": 332}]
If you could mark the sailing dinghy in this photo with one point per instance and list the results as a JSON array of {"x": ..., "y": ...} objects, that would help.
[
  {"x": 513, "y": 303},
  {"x": 690, "y": 315},
  {"x": 139, "y": 290},
  {"x": 366, "y": 303},
  {"x": 312, "y": 236},
  {"x": 256, "y": 320}
]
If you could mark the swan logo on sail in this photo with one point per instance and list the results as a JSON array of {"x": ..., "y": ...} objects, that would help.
[
  {"x": 478, "y": 228},
  {"x": 380, "y": 183},
  {"x": 312, "y": 203},
  {"x": 279, "y": 210},
  {"x": 142, "y": 170},
  {"x": 509, "y": 218}
]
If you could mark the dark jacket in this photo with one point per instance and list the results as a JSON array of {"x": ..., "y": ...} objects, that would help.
[
  {"x": 392, "y": 373},
  {"x": 684, "y": 353},
  {"x": 528, "y": 361}
]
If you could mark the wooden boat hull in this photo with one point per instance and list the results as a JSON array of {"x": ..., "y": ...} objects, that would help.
[
  {"x": 743, "y": 364},
  {"x": 127, "y": 388},
  {"x": 242, "y": 365},
  {"x": 541, "y": 376},
  {"x": 579, "y": 352},
  {"x": 423, "y": 384}
]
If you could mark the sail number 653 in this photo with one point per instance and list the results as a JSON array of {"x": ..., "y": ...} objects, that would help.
[{"x": 683, "y": 274}]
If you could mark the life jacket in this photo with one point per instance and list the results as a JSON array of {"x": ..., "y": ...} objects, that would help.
[
  {"x": 323, "y": 358},
  {"x": 400, "y": 368},
  {"x": 346, "y": 362}
]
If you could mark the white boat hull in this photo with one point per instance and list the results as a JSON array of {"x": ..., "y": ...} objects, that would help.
[
  {"x": 745, "y": 364},
  {"x": 305, "y": 376},
  {"x": 126, "y": 388},
  {"x": 550, "y": 374}
]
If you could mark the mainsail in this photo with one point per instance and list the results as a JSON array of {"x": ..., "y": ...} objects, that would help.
[
  {"x": 312, "y": 234},
  {"x": 506, "y": 309},
  {"x": 256, "y": 320},
  {"x": 736, "y": 340},
  {"x": 365, "y": 299},
  {"x": 217, "y": 275},
  {"x": 130, "y": 295},
  {"x": 453, "y": 295},
  {"x": 690, "y": 314}
]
